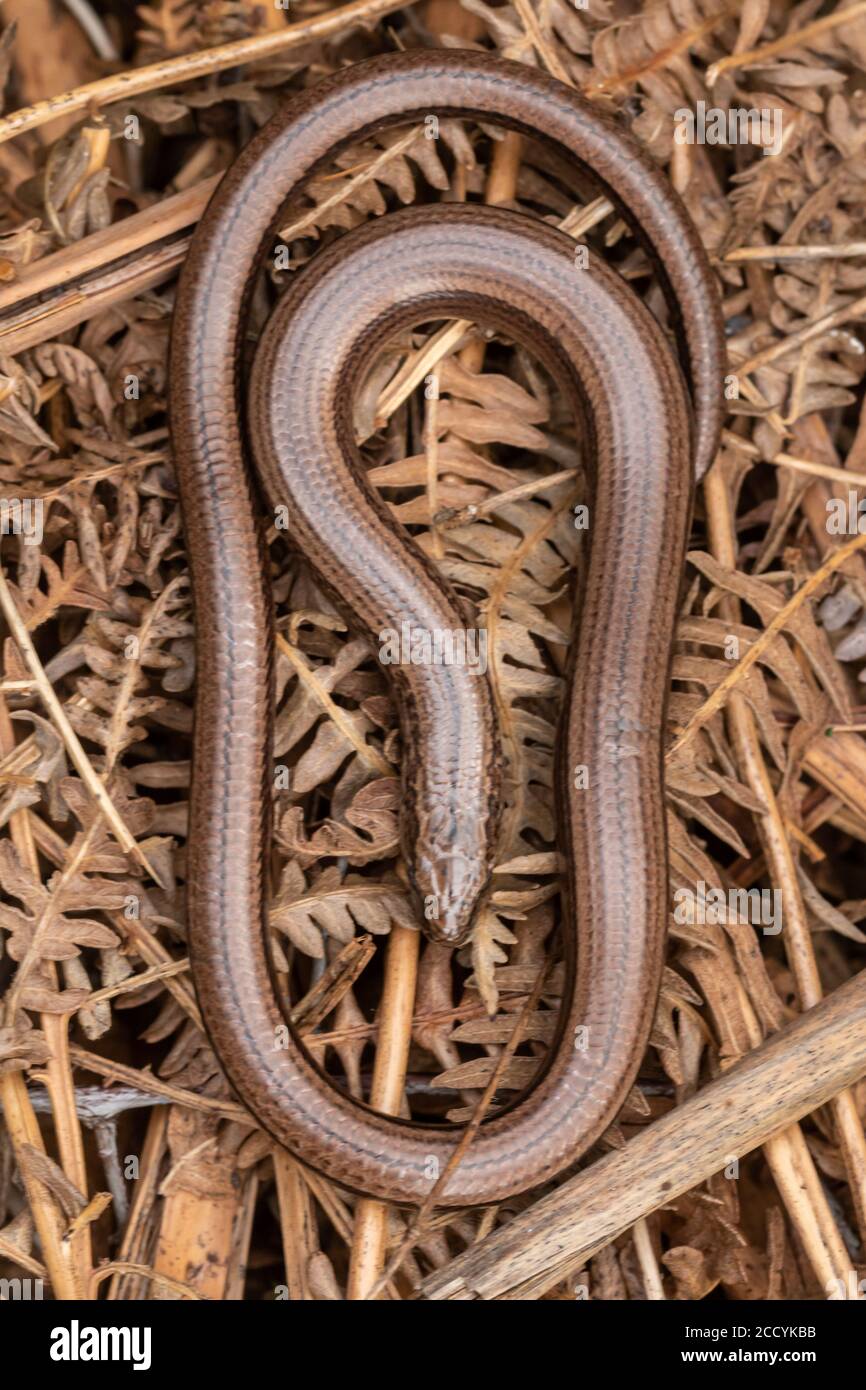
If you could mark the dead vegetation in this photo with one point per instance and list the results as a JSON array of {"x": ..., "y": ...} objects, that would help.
[{"x": 123, "y": 1155}]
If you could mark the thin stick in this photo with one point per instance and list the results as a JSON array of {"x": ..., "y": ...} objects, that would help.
[
  {"x": 500, "y": 499},
  {"x": 308, "y": 677},
  {"x": 23, "y": 1129},
  {"x": 819, "y": 470},
  {"x": 792, "y": 461},
  {"x": 69, "y": 1262},
  {"x": 804, "y": 1195},
  {"x": 170, "y": 71},
  {"x": 297, "y": 1225},
  {"x": 649, "y": 1265},
  {"x": 431, "y": 449},
  {"x": 796, "y": 38},
  {"x": 161, "y": 1281},
  {"x": 145, "y": 1081},
  {"x": 856, "y": 310},
  {"x": 543, "y": 46},
  {"x": 792, "y": 1074},
  {"x": 370, "y": 1236},
  {"x": 419, "y": 1222},
  {"x": 34, "y": 324},
  {"x": 134, "y": 982},
  {"x": 501, "y": 187},
  {"x": 136, "y": 233},
  {"x": 347, "y": 190},
  {"x": 716, "y": 700},
  {"x": 818, "y": 252},
  {"x": 79, "y": 758},
  {"x": 417, "y": 366}
]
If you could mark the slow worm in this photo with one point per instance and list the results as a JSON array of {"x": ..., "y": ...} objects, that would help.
[{"x": 587, "y": 326}]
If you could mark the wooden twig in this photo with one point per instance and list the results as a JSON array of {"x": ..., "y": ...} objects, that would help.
[
  {"x": 818, "y": 252},
  {"x": 417, "y": 366},
  {"x": 652, "y": 1279},
  {"x": 69, "y": 1261},
  {"x": 370, "y": 1236},
  {"x": 134, "y": 81},
  {"x": 797, "y": 937},
  {"x": 543, "y": 46},
  {"x": 336, "y": 714},
  {"x": 91, "y": 779},
  {"x": 795, "y": 38},
  {"x": 35, "y": 323},
  {"x": 421, "y": 1219},
  {"x": 348, "y": 189},
  {"x": 795, "y": 1072},
  {"x": 300, "y": 1241},
  {"x": 91, "y": 23},
  {"x": 797, "y": 465},
  {"x": 66, "y": 268},
  {"x": 778, "y": 623},
  {"x": 134, "y": 982},
  {"x": 136, "y": 1233},
  {"x": 338, "y": 977},
  {"x": 855, "y": 310},
  {"x": 160, "y": 1281},
  {"x": 447, "y": 519},
  {"x": 145, "y": 1081},
  {"x": 500, "y": 187}
]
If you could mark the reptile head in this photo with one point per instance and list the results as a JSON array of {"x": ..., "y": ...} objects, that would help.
[{"x": 448, "y": 878}]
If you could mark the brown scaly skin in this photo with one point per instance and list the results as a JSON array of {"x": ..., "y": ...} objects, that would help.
[{"x": 518, "y": 275}]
